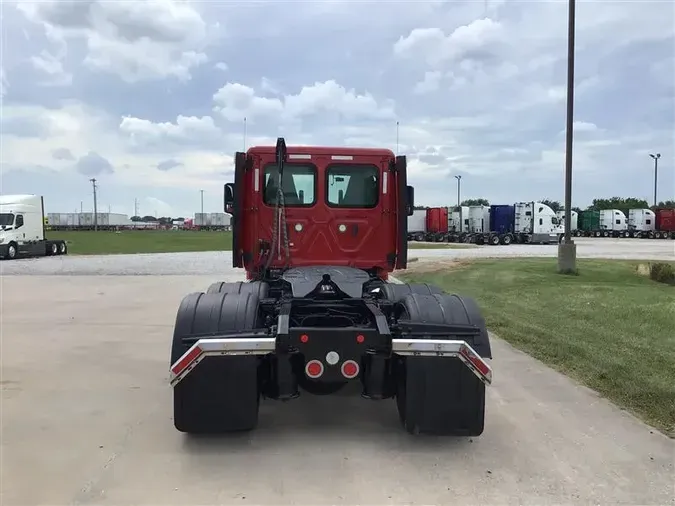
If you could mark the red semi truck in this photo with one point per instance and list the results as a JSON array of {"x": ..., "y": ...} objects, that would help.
[
  {"x": 318, "y": 230},
  {"x": 437, "y": 223},
  {"x": 665, "y": 223}
]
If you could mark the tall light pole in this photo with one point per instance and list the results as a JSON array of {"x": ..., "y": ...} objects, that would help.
[
  {"x": 656, "y": 172},
  {"x": 567, "y": 250},
  {"x": 93, "y": 184},
  {"x": 459, "y": 184},
  {"x": 202, "y": 192}
]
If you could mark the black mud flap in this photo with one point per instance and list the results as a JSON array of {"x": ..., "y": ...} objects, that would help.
[
  {"x": 441, "y": 395},
  {"x": 221, "y": 393}
]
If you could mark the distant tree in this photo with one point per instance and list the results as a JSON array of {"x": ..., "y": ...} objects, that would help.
[
  {"x": 576, "y": 209},
  {"x": 620, "y": 203},
  {"x": 149, "y": 218},
  {"x": 165, "y": 220},
  {"x": 420, "y": 208},
  {"x": 136, "y": 218},
  {"x": 668, "y": 204},
  {"x": 181, "y": 219},
  {"x": 553, "y": 204},
  {"x": 475, "y": 202}
]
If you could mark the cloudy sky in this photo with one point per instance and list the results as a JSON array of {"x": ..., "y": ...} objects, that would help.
[{"x": 149, "y": 97}]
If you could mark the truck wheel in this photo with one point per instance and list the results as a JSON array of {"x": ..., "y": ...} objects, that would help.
[
  {"x": 441, "y": 395},
  {"x": 12, "y": 251},
  {"x": 53, "y": 249},
  {"x": 506, "y": 239},
  {"x": 396, "y": 292},
  {"x": 494, "y": 240},
  {"x": 258, "y": 288},
  {"x": 63, "y": 249},
  {"x": 222, "y": 393}
]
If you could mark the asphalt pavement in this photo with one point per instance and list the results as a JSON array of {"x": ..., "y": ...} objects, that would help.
[{"x": 86, "y": 415}]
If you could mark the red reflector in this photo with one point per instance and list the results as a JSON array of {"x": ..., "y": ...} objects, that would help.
[
  {"x": 360, "y": 339},
  {"x": 350, "y": 369},
  {"x": 186, "y": 360},
  {"x": 475, "y": 360},
  {"x": 314, "y": 369},
  {"x": 304, "y": 338}
]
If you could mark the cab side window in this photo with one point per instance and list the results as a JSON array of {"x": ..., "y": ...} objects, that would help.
[{"x": 19, "y": 221}]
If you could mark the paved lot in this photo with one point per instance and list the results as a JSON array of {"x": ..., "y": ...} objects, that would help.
[
  {"x": 86, "y": 415},
  {"x": 214, "y": 262}
]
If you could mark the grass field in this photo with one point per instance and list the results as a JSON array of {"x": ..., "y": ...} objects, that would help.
[
  {"x": 167, "y": 241},
  {"x": 608, "y": 328},
  {"x": 439, "y": 245},
  {"x": 142, "y": 241}
]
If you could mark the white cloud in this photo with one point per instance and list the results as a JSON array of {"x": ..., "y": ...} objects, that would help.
[
  {"x": 133, "y": 40},
  {"x": 479, "y": 89}
]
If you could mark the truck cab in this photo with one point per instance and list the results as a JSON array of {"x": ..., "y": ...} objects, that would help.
[
  {"x": 22, "y": 228},
  {"x": 307, "y": 206}
]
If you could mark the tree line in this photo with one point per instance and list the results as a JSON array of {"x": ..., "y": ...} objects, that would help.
[
  {"x": 164, "y": 220},
  {"x": 620, "y": 203}
]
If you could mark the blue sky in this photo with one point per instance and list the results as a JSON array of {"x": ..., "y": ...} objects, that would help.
[{"x": 149, "y": 97}]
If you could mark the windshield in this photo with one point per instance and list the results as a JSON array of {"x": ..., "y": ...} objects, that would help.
[
  {"x": 299, "y": 182},
  {"x": 6, "y": 219},
  {"x": 352, "y": 186}
]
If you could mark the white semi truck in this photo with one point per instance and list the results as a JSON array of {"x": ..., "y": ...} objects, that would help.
[{"x": 22, "y": 228}]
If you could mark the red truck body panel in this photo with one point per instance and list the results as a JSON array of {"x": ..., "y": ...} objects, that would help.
[
  {"x": 327, "y": 219},
  {"x": 437, "y": 220},
  {"x": 665, "y": 220}
]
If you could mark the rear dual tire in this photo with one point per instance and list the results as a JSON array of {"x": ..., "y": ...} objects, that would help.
[
  {"x": 222, "y": 393},
  {"x": 441, "y": 396}
]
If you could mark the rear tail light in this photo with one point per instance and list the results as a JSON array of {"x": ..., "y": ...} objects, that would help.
[
  {"x": 314, "y": 369},
  {"x": 350, "y": 369}
]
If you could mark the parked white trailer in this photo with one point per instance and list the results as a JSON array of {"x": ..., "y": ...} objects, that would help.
[
  {"x": 574, "y": 218},
  {"x": 537, "y": 223},
  {"x": 458, "y": 219},
  {"x": 479, "y": 219},
  {"x": 22, "y": 228},
  {"x": 641, "y": 223},
  {"x": 613, "y": 222},
  {"x": 417, "y": 225}
]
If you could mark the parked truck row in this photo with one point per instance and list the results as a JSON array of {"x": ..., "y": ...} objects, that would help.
[
  {"x": 641, "y": 223},
  {"x": 119, "y": 221},
  {"x": 522, "y": 223},
  {"x": 533, "y": 222}
]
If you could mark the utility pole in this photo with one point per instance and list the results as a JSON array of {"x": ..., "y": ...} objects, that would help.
[
  {"x": 567, "y": 250},
  {"x": 81, "y": 206},
  {"x": 135, "y": 207},
  {"x": 202, "y": 192},
  {"x": 94, "y": 186},
  {"x": 656, "y": 172},
  {"x": 459, "y": 184}
]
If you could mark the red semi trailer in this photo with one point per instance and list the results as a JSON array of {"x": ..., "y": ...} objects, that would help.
[
  {"x": 665, "y": 223},
  {"x": 437, "y": 223}
]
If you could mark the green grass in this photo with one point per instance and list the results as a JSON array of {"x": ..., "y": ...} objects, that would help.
[
  {"x": 164, "y": 241},
  {"x": 142, "y": 241},
  {"x": 438, "y": 245},
  {"x": 609, "y": 328}
]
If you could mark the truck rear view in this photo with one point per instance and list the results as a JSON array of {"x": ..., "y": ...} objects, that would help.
[{"x": 318, "y": 230}]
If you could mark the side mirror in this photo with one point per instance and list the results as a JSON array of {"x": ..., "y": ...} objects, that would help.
[
  {"x": 410, "y": 204},
  {"x": 229, "y": 198}
]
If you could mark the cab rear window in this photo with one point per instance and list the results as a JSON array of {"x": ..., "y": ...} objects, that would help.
[
  {"x": 299, "y": 184},
  {"x": 354, "y": 186}
]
